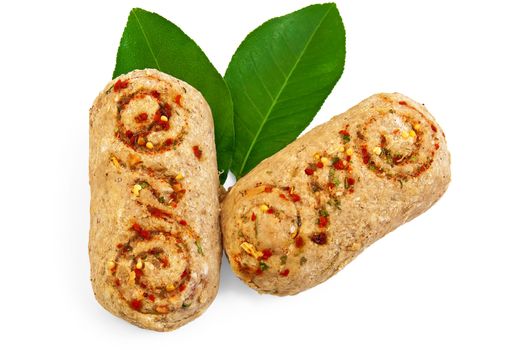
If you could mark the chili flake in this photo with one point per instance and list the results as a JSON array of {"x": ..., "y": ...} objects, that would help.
[
  {"x": 284, "y": 273},
  {"x": 197, "y": 152},
  {"x": 136, "y": 304},
  {"x": 299, "y": 242},
  {"x": 267, "y": 253},
  {"x": 295, "y": 197},
  {"x": 119, "y": 85}
]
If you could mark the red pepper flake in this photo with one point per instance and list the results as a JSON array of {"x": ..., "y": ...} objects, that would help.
[
  {"x": 145, "y": 234},
  {"x": 165, "y": 262},
  {"x": 120, "y": 245},
  {"x": 157, "y": 117},
  {"x": 331, "y": 185},
  {"x": 282, "y": 196},
  {"x": 433, "y": 127},
  {"x": 323, "y": 221},
  {"x": 151, "y": 297},
  {"x": 140, "y": 231},
  {"x": 253, "y": 217},
  {"x": 138, "y": 273},
  {"x": 129, "y": 134},
  {"x": 267, "y": 253},
  {"x": 351, "y": 181},
  {"x": 268, "y": 189},
  {"x": 155, "y": 94},
  {"x": 177, "y": 100},
  {"x": 136, "y": 304},
  {"x": 309, "y": 171},
  {"x": 259, "y": 271},
  {"x": 348, "y": 158},
  {"x": 284, "y": 273},
  {"x": 117, "y": 282},
  {"x": 169, "y": 142},
  {"x": 365, "y": 155},
  {"x": 339, "y": 165},
  {"x": 119, "y": 85},
  {"x": 197, "y": 152},
  {"x": 299, "y": 242},
  {"x": 402, "y": 103},
  {"x": 319, "y": 238},
  {"x": 437, "y": 146},
  {"x": 295, "y": 197},
  {"x": 183, "y": 222},
  {"x": 141, "y": 117},
  {"x": 182, "y": 287},
  {"x": 159, "y": 213},
  {"x": 319, "y": 165},
  {"x": 270, "y": 211},
  {"x": 184, "y": 274},
  {"x": 344, "y": 133}
]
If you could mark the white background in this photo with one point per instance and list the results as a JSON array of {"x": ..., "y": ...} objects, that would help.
[{"x": 454, "y": 278}]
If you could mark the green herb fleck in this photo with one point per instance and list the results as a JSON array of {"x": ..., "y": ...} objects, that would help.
[
  {"x": 323, "y": 212},
  {"x": 186, "y": 305},
  {"x": 283, "y": 259},
  {"x": 335, "y": 203},
  {"x": 161, "y": 199},
  {"x": 144, "y": 184},
  {"x": 199, "y": 248},
  {"x": 263, "y": 266},
  {"x": 346, "y": 138}
]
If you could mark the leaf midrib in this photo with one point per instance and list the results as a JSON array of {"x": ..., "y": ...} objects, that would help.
[
  {"x": 147, "y": 40},
  {"x": 274, "y": 102}
]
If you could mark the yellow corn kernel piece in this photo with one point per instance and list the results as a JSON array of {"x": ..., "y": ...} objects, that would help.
[
  {"x": 141, "y": 141},
  {"x": 111, "y": 264},
  {"x": 179, "y": 176},
  {"x": 136, "y": 189},
  {"x": 416, "y": 127},
  {"x": 263, "y": 207},
  {"x": 325, "y": 160},
  {"x": 377, "y": 150},
  {"x": 164, "y": 118},
  {"x": 412, "y": 133},
  {"x": 132, "y": 276},
  {"x": 139, "y": 264},
  {"x": 250, "y": 249},
  {"x": 341, "y": 149},
  {"x": 349, "y": 151},
  {"x": 115, "y": 162},
  {"x": 149, "y": 145},
  {"x": 316, "y": 156},
  {"x": 405, "y": 134},
  {"x": 170, "y": 287}
]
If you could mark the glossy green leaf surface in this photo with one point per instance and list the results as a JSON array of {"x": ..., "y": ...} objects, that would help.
[
  {"x": 151, "y": 41},
  {"x": 279, "y": 78}
]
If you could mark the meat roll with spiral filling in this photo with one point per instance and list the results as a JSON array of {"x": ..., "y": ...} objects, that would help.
[
  {"x": 154, "y": 239},
  {"x": 304, "y": 213}
]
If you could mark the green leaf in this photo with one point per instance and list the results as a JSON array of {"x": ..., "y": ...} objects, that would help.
[
  {"x": 279, "y": 77},
  {"x": 151, "y": 41}
]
